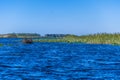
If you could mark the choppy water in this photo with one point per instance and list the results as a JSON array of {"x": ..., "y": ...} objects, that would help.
[{"x": 58, "y": 61}]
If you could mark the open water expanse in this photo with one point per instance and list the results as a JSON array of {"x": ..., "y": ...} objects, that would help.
[{"x": 58, "y": 61}]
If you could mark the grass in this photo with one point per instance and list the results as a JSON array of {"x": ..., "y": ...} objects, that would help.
[
  {"x": 1, "y": 45},
  {"x": 102, "y": 38}
]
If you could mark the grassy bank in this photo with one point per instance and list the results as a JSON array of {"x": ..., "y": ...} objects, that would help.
[{"x": 102, "y": 38}]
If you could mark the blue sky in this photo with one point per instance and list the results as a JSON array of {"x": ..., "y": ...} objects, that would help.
[{"x": 59, "y": 16}]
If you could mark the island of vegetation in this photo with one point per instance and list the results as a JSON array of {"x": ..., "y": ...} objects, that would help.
[{"x": 99, "y": 38}]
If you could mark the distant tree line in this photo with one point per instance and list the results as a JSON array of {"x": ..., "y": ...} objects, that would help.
[
  {"x": 56, "y": 35},
  {"x": 32, "y": 35}
]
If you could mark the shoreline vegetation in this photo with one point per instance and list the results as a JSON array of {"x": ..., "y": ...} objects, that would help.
[{"x": 99, "y": 38}]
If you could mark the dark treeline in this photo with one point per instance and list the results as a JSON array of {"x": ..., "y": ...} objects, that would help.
[{"x": 20, "y": 35}]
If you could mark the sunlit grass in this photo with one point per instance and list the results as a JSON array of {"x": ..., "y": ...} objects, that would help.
[{"x": 102, "y": 38}]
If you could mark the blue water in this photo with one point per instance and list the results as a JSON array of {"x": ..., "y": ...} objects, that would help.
[{"x": 58, "y": 61}]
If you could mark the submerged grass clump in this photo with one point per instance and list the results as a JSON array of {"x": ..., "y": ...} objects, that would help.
[
  {"x": 9, "y": 44},
  {"x": 1, "y": 44}
]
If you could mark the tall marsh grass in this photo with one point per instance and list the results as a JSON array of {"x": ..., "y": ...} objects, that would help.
[{"x": 101, "y": 38}]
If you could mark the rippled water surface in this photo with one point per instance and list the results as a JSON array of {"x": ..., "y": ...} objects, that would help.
[{"x": 58, "y": 61}]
